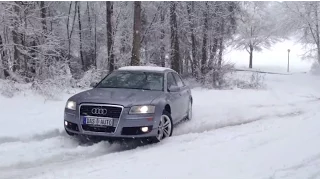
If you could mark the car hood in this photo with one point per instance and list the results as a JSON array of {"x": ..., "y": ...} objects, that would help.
[{"x": 124, "y": 97}]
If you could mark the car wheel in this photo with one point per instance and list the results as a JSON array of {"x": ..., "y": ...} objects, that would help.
[
  {"x": 165, "y": 127},
  {"x": 189, "y": 116},
  {"x": 87, "y": 140},
  {"x": 69, "y": 133}
]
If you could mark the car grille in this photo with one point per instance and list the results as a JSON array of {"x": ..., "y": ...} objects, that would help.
[
  {"x": 112, "y": 111},
  {"x": 108, "y": 129}
]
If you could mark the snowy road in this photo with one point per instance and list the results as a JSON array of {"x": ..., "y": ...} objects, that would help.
[{"x": 272, "y": 133}]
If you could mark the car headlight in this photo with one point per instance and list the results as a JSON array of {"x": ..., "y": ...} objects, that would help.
[
  {"x": 71, "y": 105},
  {"x": 142, "y": 109}
]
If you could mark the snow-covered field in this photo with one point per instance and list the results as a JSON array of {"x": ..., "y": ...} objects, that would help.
[{"x": 270, "y": 133}]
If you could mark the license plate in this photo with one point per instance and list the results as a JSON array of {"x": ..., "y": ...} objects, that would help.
[{"x": 98, "y": 121}]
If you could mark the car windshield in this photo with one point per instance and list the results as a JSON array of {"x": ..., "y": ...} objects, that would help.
[{"x": 133, "y": 80}]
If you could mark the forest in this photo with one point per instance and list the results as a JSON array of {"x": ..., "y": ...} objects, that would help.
[{"x": 43, "y": 41}]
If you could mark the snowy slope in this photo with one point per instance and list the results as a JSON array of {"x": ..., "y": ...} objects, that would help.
[{"x": 271, "y": 133}]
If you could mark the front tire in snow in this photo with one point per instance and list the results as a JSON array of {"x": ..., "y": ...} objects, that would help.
[
  {"x": 189, "y": 116},
  {"x": 165, "y": 127},
  {"x": 69, "y": 133}
]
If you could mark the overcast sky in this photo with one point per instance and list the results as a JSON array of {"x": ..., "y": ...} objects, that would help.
[{"x": 276, "y": 58}]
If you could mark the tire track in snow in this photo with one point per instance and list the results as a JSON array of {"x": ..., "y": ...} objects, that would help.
[
  {"x": 194, "y": 127},
  {"x": 36, "y": 137},
  {"x": 63, "y": 153},
  {"x": 55, "y": 150},
  {"x": 293, "y": 170},
  {"x": 75, "y": 152}
]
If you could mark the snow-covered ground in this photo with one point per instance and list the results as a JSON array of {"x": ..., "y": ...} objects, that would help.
[{"x": 270, "y": 133}]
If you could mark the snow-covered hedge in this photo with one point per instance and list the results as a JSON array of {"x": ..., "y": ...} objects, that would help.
[
  {"x": 315, "y": 68},
  {"x": 62, "y": 81},
  {"x": 232, "y": 79},
  {"x": 91, "y": 76},
  {"x": 252, "y": 80},
  {"x": 9, "y": 88}
]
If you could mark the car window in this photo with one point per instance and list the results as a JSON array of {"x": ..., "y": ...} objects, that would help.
[
  {"x": 133, "y": 80},
  {"x": 171, "y": 80},
  {"x": 178, "y": 80}
]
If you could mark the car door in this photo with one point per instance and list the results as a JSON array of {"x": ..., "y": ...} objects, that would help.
[
  {"x": 184, "y": 95},
  {"x": 174, "y": 98}
]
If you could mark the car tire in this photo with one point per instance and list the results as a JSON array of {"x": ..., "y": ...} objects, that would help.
[
  {"x": 189, "y": 115},
  {"x": 165, "y": 127},
  {"x": 87, "y": 140},
  {"x": 69, "y": 133}
]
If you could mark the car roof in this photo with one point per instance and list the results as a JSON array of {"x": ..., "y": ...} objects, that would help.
[{"x": 145, "y": 68}]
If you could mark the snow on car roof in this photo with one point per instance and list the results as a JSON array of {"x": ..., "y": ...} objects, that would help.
[{"x": 144, "y": 68}]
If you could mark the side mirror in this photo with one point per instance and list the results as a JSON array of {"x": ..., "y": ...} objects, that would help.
[
  {"x": 93, "y": 84},
  {"x": 174, "y": 88}
]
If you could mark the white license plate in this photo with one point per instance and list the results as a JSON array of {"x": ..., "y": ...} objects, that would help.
[{"x": 99, "y": 121}]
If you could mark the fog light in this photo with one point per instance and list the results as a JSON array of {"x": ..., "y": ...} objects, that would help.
[
  {"x": 144, "y": 129},
  {"x": 66, "y": 123}
]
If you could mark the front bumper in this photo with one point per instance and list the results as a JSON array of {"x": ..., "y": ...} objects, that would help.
[{"x": 126, "y": 126}]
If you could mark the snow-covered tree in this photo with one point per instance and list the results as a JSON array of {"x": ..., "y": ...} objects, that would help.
[
  {"x": 38, "y": 38},
  {"x": 257, "y": 29},
  {"x": 304, "y": 20}
]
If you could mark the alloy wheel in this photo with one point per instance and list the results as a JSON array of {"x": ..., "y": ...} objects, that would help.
[{"x": 165, "y": 127}]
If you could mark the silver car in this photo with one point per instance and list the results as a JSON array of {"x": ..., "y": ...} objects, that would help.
[{"x": 131, "y": 102}]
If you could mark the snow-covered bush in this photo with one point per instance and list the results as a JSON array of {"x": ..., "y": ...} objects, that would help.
[
  {"x": 93, "y": 75},
  {"x": 217, "y": 77},
  {"x": 192, "y": 82},
  {"x": 253, "y": 81},
  {"x": 9, "y": 88},
  {"x": 47, "y": 88},
  {"x": 58, "y": 79},
  {"x": 315, "y": 68}
]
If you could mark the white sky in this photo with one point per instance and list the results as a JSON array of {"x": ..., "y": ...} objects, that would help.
[{"x": 275, "y": 58}]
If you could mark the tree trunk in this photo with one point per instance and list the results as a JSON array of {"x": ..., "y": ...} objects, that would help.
[
  {"x": 24, "y": 43},
  {"x": 43, "y": 14},
  {"x": 190, "y": 9},
  {"x": 124, "y": 49},
  {"x": 317, "y": 30},
  {"x": 144, "y": 37},
  {"x": 90, "y": 42},
  {"x": 95, "y": 40},
  {"x": 186, "y": 61},
  {"x": 175, "y": 56},
  {"x": 213, "y": 52},
  {"x": 17, "y": 40},
  {"x": 51, "y": 22},
  {"x": 162, "y": 48},
  {"x": 220, "y": 52},
  {"x": 69, "y": 34},
  {"x": 80, "y": 36},
  {"x": 33, "y": 67},
  {"x": 1, "y": 60},
  {"x": 5, "y": 55},
  {"x": 135, "y": 57},
  {"x": 204, "y": 43},
  {"x": 251, "y": 56},
  {"x": 214, "y": 45},
  {"x": 250, "y": 49},
  {"x": 221, "y": 48},
  {"x": 89, "y": 20},
  {"x": 43, "y": 17},
  {"x": 109, "y": 5}
]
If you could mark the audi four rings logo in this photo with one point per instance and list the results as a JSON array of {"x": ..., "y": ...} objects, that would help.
[{"x": 99, "y": 111}]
